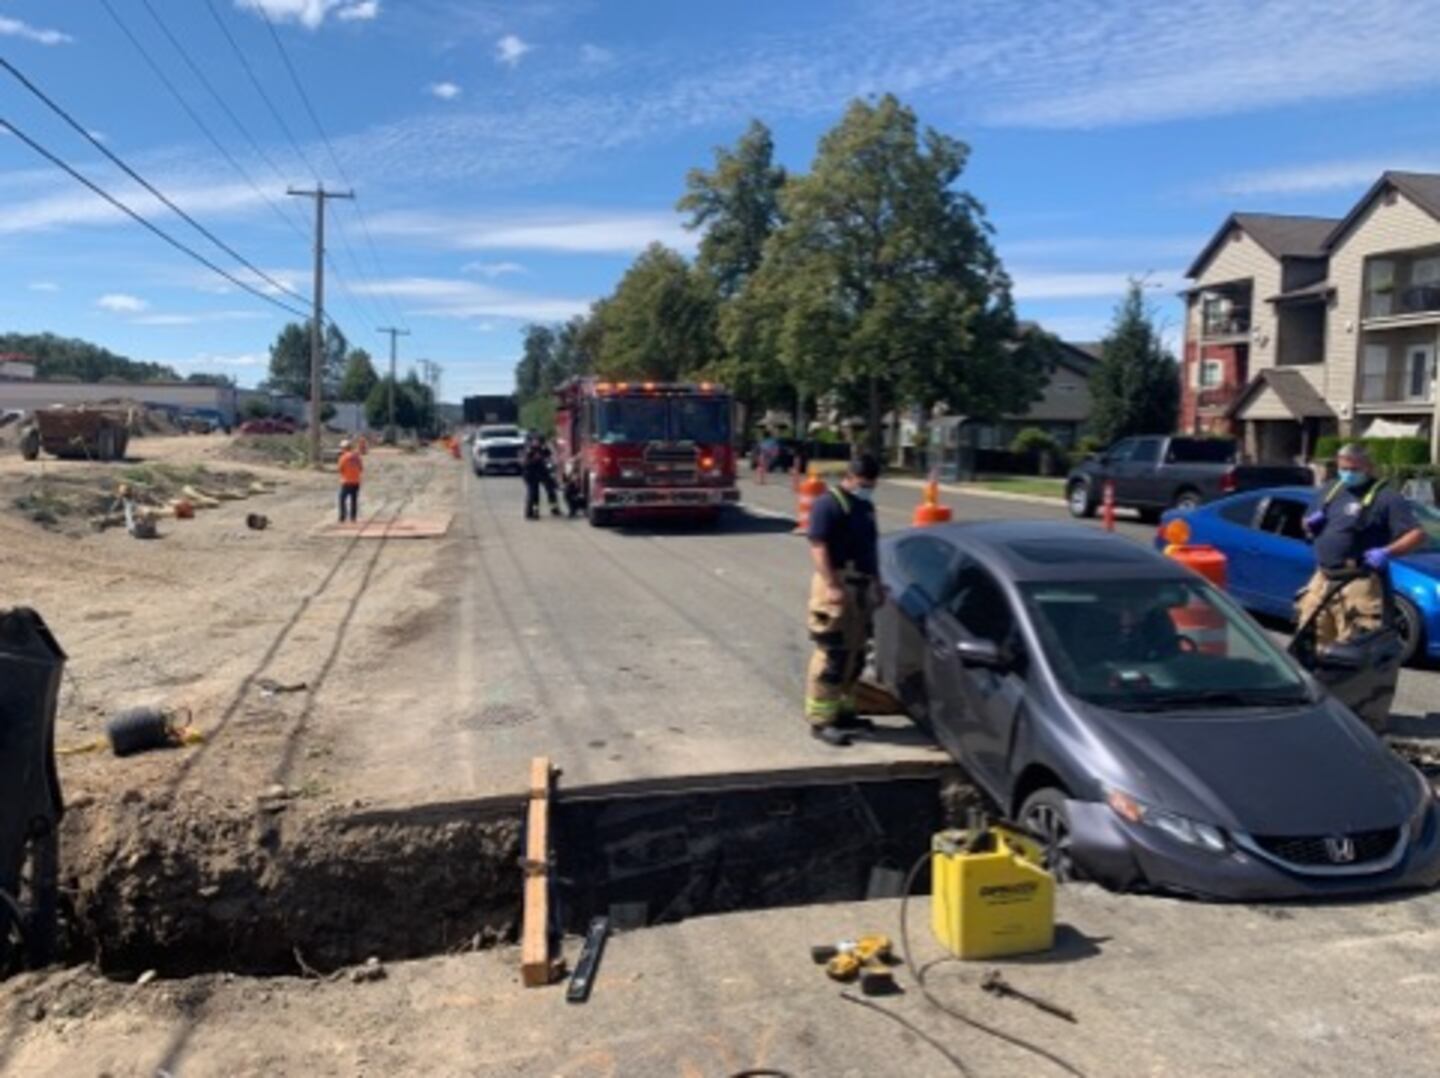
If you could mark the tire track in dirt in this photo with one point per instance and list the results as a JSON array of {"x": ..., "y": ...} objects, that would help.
[{"x": 287, "y": 629}]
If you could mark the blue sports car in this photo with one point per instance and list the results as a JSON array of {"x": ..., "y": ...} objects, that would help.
[{"x": 1270, "y": 560}]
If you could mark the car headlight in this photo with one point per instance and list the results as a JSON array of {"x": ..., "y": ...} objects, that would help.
[
  {"x": 629, "y": 472},
  {"x": 1181, "y": 828}
]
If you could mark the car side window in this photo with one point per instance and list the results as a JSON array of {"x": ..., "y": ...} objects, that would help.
[
  {"x": 1239, "y": 511},
  {"x": 980, "y": 606},
  {"x": 1120, "y": 452},
  {"x": 1284, "y": 517},
  {"x": 929, "y": 564},
  {"x": 1145, "y": 451}
]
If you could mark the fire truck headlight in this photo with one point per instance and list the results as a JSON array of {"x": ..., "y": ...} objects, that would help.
[{"x": 632, "y": 472}]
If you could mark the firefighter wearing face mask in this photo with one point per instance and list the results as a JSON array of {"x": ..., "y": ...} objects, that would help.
[
  {"x": 1357, "y": 524},
  {"x": 843, "y": 592}
]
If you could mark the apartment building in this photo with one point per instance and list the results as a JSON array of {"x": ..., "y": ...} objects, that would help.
[{"x": 1297, "y": 327}]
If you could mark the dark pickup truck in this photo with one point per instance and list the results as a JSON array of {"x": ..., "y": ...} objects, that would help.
[{"x": 1153, "y": 473}]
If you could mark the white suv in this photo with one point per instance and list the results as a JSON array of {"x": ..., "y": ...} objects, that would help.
[{"x": 497, "y": 450}]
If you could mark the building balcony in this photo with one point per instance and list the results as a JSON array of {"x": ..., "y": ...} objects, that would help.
[
  {"x": 1225, "y": 326},
  {"x": 1216, "y": 398}
]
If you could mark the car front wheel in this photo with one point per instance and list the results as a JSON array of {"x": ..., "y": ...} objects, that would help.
[
  {"x": 1080, "y": 500},
  {"x": 1047, "y": 819}
]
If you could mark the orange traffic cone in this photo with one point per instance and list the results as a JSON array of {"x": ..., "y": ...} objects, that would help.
[
  {"x": 808, "y": 491},
  {"x": 930, "y": 511}
]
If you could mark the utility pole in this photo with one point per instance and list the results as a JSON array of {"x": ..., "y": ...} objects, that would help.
[
  {"x": 390, "y": 424},
  {"x": 317, "y": 317}
]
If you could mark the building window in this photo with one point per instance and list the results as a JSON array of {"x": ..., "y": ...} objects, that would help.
[
  {"x": 1211, "y": 373},
  {"x": 1372, "y": 372},
  {"x": 1419, "y": 364},
  {"x": 1379, "y": 287}
]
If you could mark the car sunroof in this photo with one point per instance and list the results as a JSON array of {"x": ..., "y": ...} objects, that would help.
[{"x": 1068, "y": 552}]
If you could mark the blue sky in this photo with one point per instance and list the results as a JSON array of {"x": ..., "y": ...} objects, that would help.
[{"x": 510, "y": 158}]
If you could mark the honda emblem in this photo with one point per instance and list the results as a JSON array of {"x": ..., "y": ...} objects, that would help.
[{"x": 1340, "y": 849}]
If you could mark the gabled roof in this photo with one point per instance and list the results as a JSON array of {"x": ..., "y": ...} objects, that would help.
[
  {"x": 1082, "y": 358},
  {"x": 1294, "y": 390},
  {"x": 1282, "y": 235},
  {"x": 1421, "y": 188}
]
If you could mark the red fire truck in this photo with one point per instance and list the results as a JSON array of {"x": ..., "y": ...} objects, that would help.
[{"x": 645, "y": 447}]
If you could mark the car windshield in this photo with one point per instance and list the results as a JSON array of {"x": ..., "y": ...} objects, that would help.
[
  {"x": 700, "y": 419},
  {"x": 499, "y": 432},
  {"x": 1158, "y": 645},
  {"x": 631, "y": 419}
]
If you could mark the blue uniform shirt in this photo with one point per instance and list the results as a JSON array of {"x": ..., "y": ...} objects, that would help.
[
  {"x": 1352, "y": 526},
  {"x": 846, "y": 525}
]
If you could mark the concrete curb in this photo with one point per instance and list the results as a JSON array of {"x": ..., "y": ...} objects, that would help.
[{"x": 974, "y": 490}]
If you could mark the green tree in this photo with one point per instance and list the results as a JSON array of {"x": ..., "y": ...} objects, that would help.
[
  {"x": 359, "y": 377},
  {"x": 68, "y": 359},
  {"x": 660, "y": 322},
  {"x": 1136, "y": 388},
  {"x": 201, "y": 378},
  {"x": 414, "y": 409},
  {"x": 884, "y": 273},
  {"x": 537, "y": 361},
  {"x": 290, "y": 361},
  {"x": 737, "y": 204}
]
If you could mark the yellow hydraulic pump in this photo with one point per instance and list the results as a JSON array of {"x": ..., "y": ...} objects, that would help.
[{"x": 991, "y": 895}]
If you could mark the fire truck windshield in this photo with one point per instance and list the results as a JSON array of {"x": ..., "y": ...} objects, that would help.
[
  {"x": 703, "y": 420},
  {"x": 631, "y": 419},
  {"x": 700, "y": 419}
]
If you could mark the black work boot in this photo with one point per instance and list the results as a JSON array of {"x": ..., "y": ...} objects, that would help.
[
  {"x": 831, "y": 735},
  {"x": 853, "y": 723}
]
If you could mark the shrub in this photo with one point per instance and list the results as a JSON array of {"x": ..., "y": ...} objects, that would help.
[
  {"x": 1090, "y": 443},
  {"x": 1034, "y": 440},
  {"x": 1408, "y": 452},
  {"x": 255, "y": 408}
]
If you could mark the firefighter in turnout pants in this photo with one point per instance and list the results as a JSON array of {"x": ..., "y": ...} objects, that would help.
[
  {"x": 1357, "y": 525},
  {"x": 843, "y": 545}
]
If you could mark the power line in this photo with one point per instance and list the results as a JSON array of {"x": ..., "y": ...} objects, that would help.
[
  {"x": 141, "y": 220},
  {"x": 143, "y": 182},
  {"x": 334, "y": 158},
  {"x": 255, "y": 82},
  {"x": 195, "y": 117}
]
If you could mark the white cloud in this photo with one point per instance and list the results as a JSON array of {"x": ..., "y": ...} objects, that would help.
[
  {"x": 43, "y": 286},
  {"x": 312, "y": 13},
  {"x": 121, "y": 303},
  {"x": 1030, "y": 285},
  {"x": 1335, "y": 175},
  {"x": 510, "y": 50},
  {"x": 579, "y": 232},
  {"x": 445, "y": 91},
  {"x": 595, "y": 54},
  {"x": 15, "y": 28},
  {"x": 79, "y": 207},
  {"x": 447, "y": 298},
  {"x": 363, "y": 11},
  {"x": 492, "y": 269},
  {"x": 197, "y": 318}
]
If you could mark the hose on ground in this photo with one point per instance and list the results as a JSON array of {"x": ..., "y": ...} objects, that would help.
[
  {"x": 954, "y": 1012},
  {"x": 955, "y": 1060}
]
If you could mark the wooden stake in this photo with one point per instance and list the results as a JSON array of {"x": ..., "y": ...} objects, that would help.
[{"x": 536, "y": 969}]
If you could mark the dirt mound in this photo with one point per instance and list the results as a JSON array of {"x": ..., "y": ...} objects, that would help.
[
  {"x": 81, "y": 499},
  {"x": 188, "y": 884},
  {"x": 274, "y": 450}
]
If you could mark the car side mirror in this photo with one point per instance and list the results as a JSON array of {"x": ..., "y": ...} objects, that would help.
[
  {"x": 984, "y": 653},
  {"x": 1341, "y": 657},
  {"x": 914, "y": 603}
]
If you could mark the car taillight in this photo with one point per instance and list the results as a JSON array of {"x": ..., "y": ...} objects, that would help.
[{"x": 1227, "y": 481}]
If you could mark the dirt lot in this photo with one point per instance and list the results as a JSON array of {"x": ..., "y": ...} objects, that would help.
[{"x": 271, "y": 641}]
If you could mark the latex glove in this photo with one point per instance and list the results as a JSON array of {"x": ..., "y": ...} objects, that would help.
[
  {"x": 1315, "y": 522},
  {"x": 1377, "y": 558}
]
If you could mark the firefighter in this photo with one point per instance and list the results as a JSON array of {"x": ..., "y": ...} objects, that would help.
[
  {"x": 843, "y": 546},
  {"x": 537, "y": 466},
  {"x": 1357, "y": 526}
]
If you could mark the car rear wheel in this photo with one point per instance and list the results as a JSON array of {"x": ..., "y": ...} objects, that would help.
[
  {"x": 1045, "y": 816},
  {"x": 1187, "y": 501},
  {"x": 1411, "y": 629},
  {"x": 1080, "y": 499}
]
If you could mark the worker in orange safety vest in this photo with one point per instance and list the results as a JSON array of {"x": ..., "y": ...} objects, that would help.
[{"x": 352, "y": 469}]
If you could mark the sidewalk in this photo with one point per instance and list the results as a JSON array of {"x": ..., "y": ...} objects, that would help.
[{"x": 979, "y": 490}]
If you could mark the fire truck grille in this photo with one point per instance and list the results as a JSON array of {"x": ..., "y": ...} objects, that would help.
[{"x": 670, "y": 464}]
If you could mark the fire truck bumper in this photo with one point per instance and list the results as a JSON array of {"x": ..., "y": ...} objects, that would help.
[{"x": 672, "y": 498}]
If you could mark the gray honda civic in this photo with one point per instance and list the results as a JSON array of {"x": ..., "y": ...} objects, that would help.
[{"x": 1139, "y": 723}]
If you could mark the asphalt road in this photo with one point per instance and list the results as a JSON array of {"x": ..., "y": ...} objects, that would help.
[{"x": 626, "y": 653}]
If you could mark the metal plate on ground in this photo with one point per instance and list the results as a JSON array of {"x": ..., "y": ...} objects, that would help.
[{"x": 399, "y": 528}]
